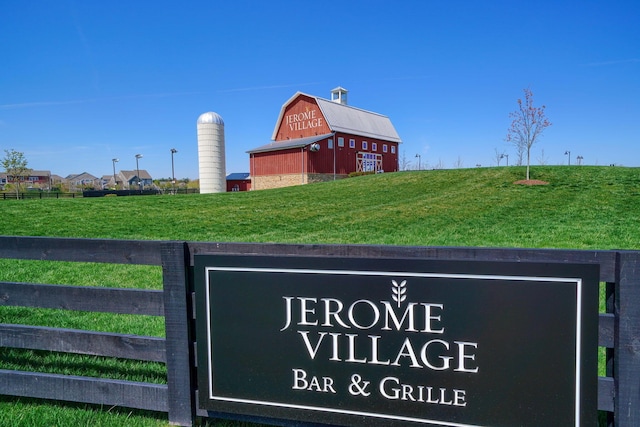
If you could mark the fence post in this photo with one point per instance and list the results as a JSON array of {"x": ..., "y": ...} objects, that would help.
[
  {"x": 627, "y": 339},
  {"x": 178, "y": 340}
]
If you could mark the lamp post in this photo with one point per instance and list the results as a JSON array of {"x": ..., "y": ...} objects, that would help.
[
  {"x": 138, "y": 157},
  {"x": 173, "y": 174},
  {"x": 502, "y": 156},
  {"x": 115, "y": 181},
  {"x": 579, "y": 159},
  {"x": 568, "y": 153},
  {"x": 419, "y": 158}
]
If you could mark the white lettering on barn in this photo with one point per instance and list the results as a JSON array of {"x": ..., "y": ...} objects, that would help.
[{"x": 305, "y": 120}]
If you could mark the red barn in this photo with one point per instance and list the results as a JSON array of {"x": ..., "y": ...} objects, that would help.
[
  {"x": 317, "y": 139},
  {"x": 238, "y": 181}
]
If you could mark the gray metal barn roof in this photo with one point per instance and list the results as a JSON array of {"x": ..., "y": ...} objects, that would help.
[
  {"x": 292, "y": 143},
  {"x": 347, "y": 119}
]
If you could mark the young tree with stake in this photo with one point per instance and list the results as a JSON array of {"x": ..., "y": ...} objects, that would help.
[
  {"x": 528, "y": 124},
  {"x": 15, "y": 164}
]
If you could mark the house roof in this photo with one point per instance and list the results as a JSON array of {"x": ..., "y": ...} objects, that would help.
[
  {"x": 129, "y": 175},
  {"x": 39, "y": 173},
  {"x": 32, "y": 172},
  {"x": 348, "y": 119},
  {"x": 291, "y": 143},
  {"x": 238, "y": 176},
  {"x": 84, "y": 176}
]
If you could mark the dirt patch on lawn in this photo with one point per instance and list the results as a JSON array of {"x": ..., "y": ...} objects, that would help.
[{"x": 531, "y": 182}]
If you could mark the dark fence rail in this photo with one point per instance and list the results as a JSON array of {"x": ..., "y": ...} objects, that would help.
[
  {"x": 170, "y": 303},
  {"x": 103, "y": 193},
  {"x": 38, "y": 195},
  {"x": 619, "y": 328},
  {"x": 7, "y": 195}
]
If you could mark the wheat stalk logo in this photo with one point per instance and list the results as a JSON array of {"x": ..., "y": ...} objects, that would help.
[{"x": 399, "y": 291}]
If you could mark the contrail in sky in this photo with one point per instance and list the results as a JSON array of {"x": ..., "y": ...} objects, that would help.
[
  {"x": 162, "y": 95},
  {"x": 615, "y": 62},
  {"x": 126, "y": 97},
  {"x": 246, "y": 89},
  {"x": 89, "y": 100}
]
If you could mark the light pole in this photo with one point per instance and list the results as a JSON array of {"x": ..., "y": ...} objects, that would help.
[
  {"x": 138, "y": 157},
  {"x": 173, "y": 174},
  {"x": 115, "y": 181},
  {"x": 502, "y": 156},
  {"x": 568, "y": 153},
  {"x": 419, "y": 158},
  {"x": 579, "y": 159}
]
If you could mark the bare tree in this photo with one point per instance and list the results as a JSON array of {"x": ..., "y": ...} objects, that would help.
[
  {"x": 520, "y": 150},
  {"x": 459, "y": 164},
  {"x": 15, "y": 165},
  {"x": 405, "y": 164},
  {"x": 542, "y": 159},
  {"x": 527, "y": 126}
]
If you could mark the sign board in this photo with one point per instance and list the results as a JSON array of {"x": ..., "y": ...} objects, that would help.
[{"x": 397, "y": 341}]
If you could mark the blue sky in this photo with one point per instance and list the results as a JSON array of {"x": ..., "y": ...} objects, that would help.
[{"x": 82, "y": 82}]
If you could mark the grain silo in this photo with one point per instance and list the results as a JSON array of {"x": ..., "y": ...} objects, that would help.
[{"x": 211, "y": 160}]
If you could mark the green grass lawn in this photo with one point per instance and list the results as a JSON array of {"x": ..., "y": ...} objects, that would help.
[{"x": 582, "y": 207}]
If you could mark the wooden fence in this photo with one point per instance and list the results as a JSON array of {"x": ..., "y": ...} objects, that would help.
[
  {"x": 619, "y": 328},
  {"x": 175, "y": 397},
  {"x": 90, "y": 193},
  {"x": 38, "y": 195}
]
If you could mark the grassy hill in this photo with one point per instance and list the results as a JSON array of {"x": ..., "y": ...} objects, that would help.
[{"x": 582, "y": 207}]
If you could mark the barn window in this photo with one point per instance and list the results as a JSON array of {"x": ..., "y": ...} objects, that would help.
[
  {"x": 340, "y": 141},
  {"x": 330, "y": 144},
  {"x": 384, "y": 148},
  {"x": 364, "y": 145},
  {"x": 374, "y": 146},
  {"x": 352, "y": 143},
  {"x": 393, "y": 149}
]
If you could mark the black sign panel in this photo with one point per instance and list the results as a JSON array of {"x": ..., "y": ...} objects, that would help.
[{"x": 398, "y": 341}]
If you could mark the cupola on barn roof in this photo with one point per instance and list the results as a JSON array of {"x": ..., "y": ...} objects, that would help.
[{"x": 339, "y": 95}]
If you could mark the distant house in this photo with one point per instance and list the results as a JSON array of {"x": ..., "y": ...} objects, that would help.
[
  {"x": 132, "y": 181},
  {"x": 56, "y": 180},
  {"x": 107, "y": 181},
  {"x": 80, "y": 181},
  {"x": 317, "y": 139},
  {"x": 238, "y": 182},
  {"x": 39, "y": 179},
  {"x": 35, "y": 179}
]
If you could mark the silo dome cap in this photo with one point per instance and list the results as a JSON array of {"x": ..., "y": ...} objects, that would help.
[{"x": 210, "y": 117}]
